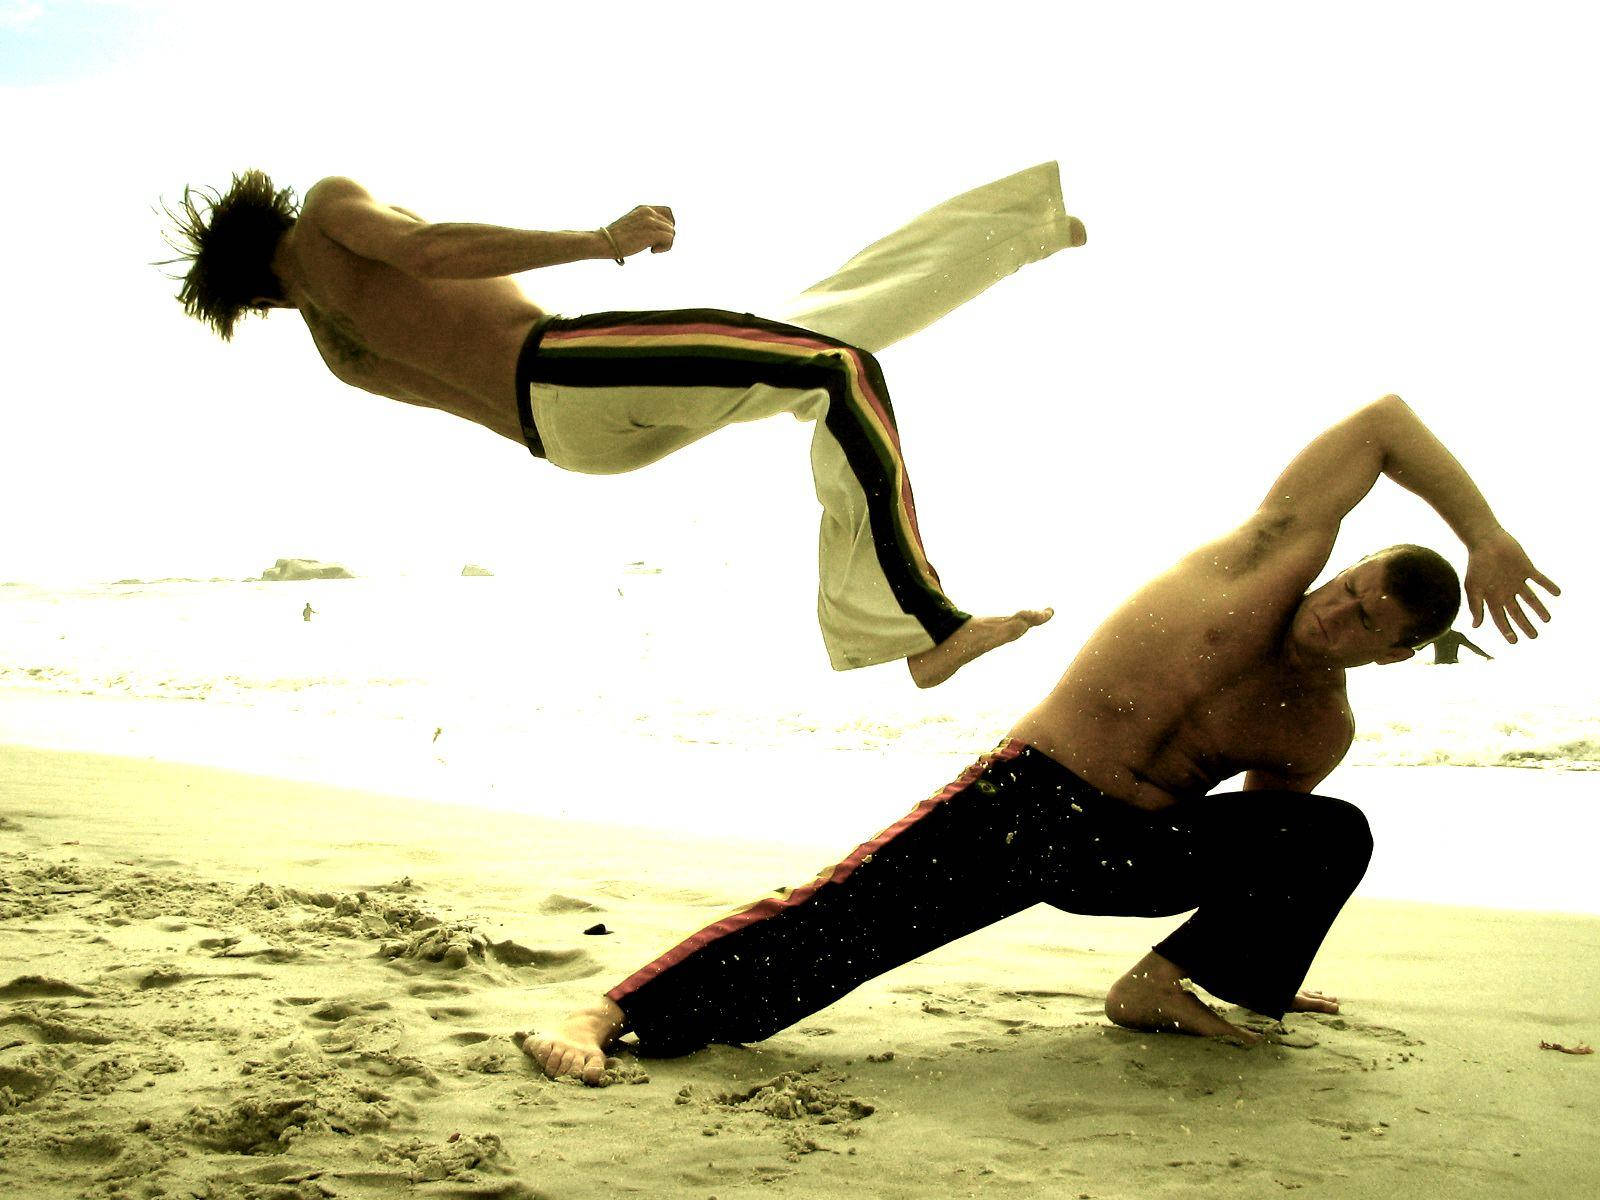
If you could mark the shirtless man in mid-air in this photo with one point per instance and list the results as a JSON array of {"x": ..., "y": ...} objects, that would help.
[
  {"x": 1097, "y": 802},
  {"x": 427, "y": 314}
]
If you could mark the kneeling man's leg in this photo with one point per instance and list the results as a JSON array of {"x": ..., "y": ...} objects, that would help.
[
  {"x": 1274, "y": 868},
  {"x": 944, "y": 870}
]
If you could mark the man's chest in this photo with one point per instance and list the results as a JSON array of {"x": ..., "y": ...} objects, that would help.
[{"x": 1263, "y": 723}]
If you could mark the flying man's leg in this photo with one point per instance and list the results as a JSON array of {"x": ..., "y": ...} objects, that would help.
[
  {"x": 620, "y": 390},
  {"x": 940, "y": 260}
]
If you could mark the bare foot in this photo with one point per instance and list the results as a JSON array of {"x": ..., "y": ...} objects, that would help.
[
  {"x": 576, "y": 1046},
  {"x": 1077, "y": 235},
  {"x": 976, "y": 637},
  {"x": 1152, "y": 997},
  {"x": 1314, "y": 1002}
]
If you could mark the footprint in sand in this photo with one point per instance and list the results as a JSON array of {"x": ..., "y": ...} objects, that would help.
[
  {"x": 933, "y": 1003},
  {"x": 424, "y": 989},
  {"x": 40, "y": 987},
  {"x": 1045, "y": 1112},
  {"x": 85, "y": 1147},
  {"x": 365, "y": 1027},
  {"x": 31, "y": 1027},
  {"x": 334, "y": 1011},
  {"x": 249, "y": 945},
  {"x": 28, "y": 1075},
  {"x": 555, "y": 905},
  {"x": 165, "y": 975},
  {"x": 458, "y": 946}
]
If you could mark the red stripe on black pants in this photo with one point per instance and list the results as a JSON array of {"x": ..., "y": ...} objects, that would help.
[{"x": 1267, "y": 872}]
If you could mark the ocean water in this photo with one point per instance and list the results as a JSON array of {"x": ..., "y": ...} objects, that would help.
[
  {"x": 646, "y": 695},
  {"x": 639, "y": 654}
]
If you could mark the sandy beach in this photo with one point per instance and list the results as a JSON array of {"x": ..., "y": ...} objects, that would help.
[{"x": 222, "y": 985}]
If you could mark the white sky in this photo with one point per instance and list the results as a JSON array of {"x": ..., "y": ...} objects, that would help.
[{"x": 1291, "y": 209}]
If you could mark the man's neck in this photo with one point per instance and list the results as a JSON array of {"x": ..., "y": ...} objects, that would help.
[
  {"x": 1309, "y": 673},
  {"x": 286, "y": 269}
]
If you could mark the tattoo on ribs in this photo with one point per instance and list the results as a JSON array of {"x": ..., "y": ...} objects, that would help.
[{"x": 337, "y": 336}]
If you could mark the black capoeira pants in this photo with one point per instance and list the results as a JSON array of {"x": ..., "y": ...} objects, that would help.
[
  {"x": 612, "y": 392},
  {"x": 1265, "y": 871}
]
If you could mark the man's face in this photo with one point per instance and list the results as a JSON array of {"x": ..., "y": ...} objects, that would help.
[{"x": 1350, "y": 620}]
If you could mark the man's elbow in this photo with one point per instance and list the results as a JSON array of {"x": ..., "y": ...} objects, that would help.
[
  {"x": 1378, "y": 423},
  {"x": 1389, "y": 405}
]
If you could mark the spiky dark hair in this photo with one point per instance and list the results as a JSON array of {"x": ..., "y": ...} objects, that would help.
[
  {"x": 1427, "y": 587},
  {"x": 229, "y": 239}
]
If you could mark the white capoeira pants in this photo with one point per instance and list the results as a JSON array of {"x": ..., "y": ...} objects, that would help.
[{"x": 611, "y": 392}]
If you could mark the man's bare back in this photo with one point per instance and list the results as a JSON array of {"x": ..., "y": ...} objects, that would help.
[
  {"x": 426, "y": 313},
  {"x": 397, "y": 306}
]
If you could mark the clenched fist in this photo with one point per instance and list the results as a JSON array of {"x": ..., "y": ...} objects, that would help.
[{"x": 648, "y": 226}]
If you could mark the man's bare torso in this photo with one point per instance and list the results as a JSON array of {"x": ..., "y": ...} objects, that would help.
[
  {"x": 1186, "y": 684},
  {"x": 450, "y": 344}
]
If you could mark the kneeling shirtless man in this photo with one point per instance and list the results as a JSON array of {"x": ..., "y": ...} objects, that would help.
[{"x": 1097, "y": 801}]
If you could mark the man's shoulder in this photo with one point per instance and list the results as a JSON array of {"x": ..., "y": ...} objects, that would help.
[{"x": 333, "y": 188}]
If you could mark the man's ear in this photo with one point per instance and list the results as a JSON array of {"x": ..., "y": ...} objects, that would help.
[{"x": 1395, "y": 655}]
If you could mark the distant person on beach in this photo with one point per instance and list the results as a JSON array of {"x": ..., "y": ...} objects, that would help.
[
  {"x": 1447, "y": 648},
  {"x": 1096, "y": 803},
  {"x": 426, "y": 314},
  {"x": 307, "y": 612}
]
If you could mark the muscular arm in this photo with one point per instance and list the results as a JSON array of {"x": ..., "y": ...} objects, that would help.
[
  {"x": 1331, "y": 475},
  {"x": 346, "y": 212}
]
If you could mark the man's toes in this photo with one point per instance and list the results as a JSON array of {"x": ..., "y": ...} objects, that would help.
[
  {"x": 550, "y": 1056},
  {"x": 1315, "y": 1002}
]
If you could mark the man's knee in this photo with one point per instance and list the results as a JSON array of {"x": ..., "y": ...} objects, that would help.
[
  {"x": 847, "y": 360},
  {"x": 1341, "y": 835}
]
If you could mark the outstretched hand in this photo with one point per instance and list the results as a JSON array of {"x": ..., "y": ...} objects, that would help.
[
  {"x": 646, "y": 227},
  {"x": 1500, "y": 579}
]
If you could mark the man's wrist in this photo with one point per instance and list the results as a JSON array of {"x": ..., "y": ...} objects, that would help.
[
  {"x": 612, "y": 250},
  {"x": 1482, "y": 535},
  {"x": 580, "y": 244}
]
